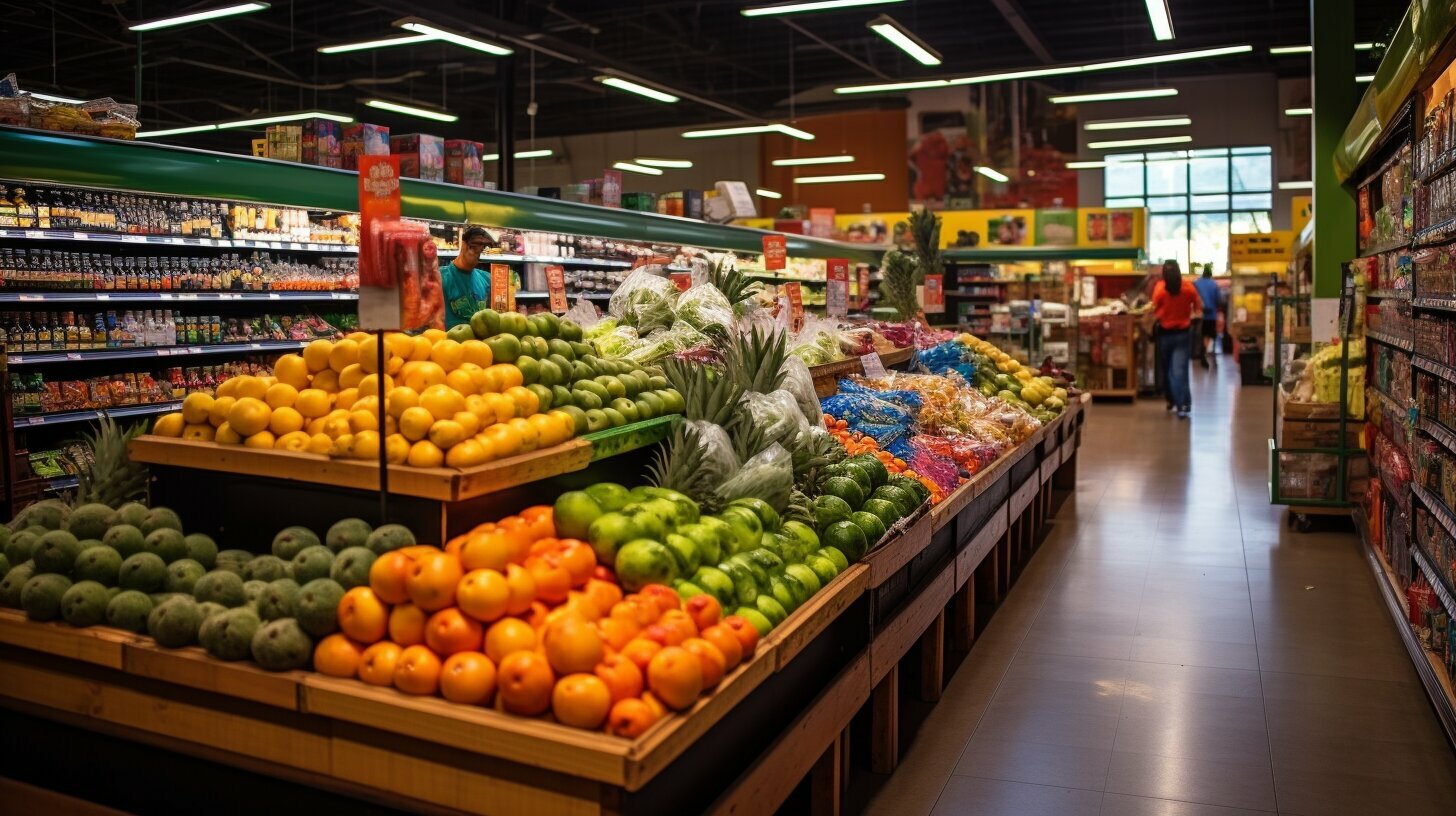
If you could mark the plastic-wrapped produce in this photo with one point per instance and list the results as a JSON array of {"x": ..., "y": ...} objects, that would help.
[
  {"x": 817, "y": 342},
  {"x": 777, "y": 414},
  {"x": 769, "y": 476},
  {"x": 663, "y": 342},
  {"x": 619, "y": 342},
  {"x": 799, "y": 382},
  {"x": 645, "y": 299},
  {"x": 705, "y": 309}
]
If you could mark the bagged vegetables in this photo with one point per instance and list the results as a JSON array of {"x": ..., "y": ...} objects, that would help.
[
  {"x": 777, "y": 414},
  {"x": 663, "y": 342},
  {"x": 645, "y": 299},
  {"x": 799, "y": 382},
  {"x": 769, "y": 476},
  {"x": 705, "y": 309}
]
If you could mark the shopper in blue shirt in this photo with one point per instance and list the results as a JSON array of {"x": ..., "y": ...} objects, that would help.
[
  {"x": 465, "y": 285},
  {"x": 1208, "y": 293}
]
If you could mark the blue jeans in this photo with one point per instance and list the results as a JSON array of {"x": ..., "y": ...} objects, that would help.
[{"x": 1173, "y": 350}]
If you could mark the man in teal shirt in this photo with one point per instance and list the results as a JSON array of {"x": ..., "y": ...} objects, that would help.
[{"x": 466, "y": 287}]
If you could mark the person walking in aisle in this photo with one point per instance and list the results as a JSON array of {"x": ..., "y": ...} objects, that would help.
[
  {"x": 466, "y": 286},
  {"x": 1175, "y": 303},
  {"x": 1208, "y": 332}
]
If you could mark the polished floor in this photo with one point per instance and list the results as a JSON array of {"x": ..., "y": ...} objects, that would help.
[{"x": 1174, "y": 649}]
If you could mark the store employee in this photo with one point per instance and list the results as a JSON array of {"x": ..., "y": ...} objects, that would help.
[{"x": 466, "y": 286}]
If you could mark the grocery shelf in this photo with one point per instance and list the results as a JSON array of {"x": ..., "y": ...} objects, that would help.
[
  {"x": 1389, "y": 294},
  {"x": 1434, "y": 304},
  {"x": 89, "y": 414},
  {"x": 1033, "y": 253},
  {"x": 1438, "y": 432},
  {"x": 605, "y": 263},
  {"x": 1430, "y": 366},
  {"x": 1381, "y": 250},
  {"x": 173, "y": 240},
  {"x": 171, "y": 297},
  {"x": 1403, "y": 343},
  {"x": 92, "y": 355}
]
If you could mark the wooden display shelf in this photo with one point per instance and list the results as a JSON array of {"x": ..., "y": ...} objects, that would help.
[
  {"x": 440, "y": 484},
  {"x": 826, "y": 376}
]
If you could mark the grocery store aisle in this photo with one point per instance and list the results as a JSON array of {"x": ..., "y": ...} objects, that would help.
[{"x": 1173, "y": 649}]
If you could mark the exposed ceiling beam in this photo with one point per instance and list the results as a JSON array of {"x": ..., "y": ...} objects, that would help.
[
  {"x": 832, "y": 47},
  {"x": 1018, "y": 23}
]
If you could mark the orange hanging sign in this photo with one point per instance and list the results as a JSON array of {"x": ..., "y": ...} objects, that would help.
[
  {"x": 556, "y": 288},
  {"x": 502, "y": 299},
  {"x": 775, "y": 252}
]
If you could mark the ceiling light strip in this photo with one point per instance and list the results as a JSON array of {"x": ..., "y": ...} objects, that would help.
[
  {"x": 386, "y": 42},
  {"x": 992, "y": 174},
  {"x": 1129, "y": 124},
  {"x": 419, "y": 26},
  {"x": 1152, "y": 140},
  {"x": 745, "y": 130},
  {"x": 840, "y": 178},
  {"x": 809, "y": 6},
  {"x": 1161, "y": 19},
  {"x": 1113, "y": 96},
  {"x": 284, "y": 117},
  {"x": 1086, "y": 165},
  {"x": 638, "y": 88},
  {"x": 199, "y": 16},
  {"x": 637, "y": 168},
  {"x": 671, "y": 164},
  {"x": 155, "y": 134},
  {"x": 1296, "y": 185},
  {"x": 808, "y": 160},
  {"x": 768, "y": 193},
  {"x": 411, "y": 110},
  {"x": 543, "y": 153},
  {"x": 1299, "y": 111},
  {"x": 902, "y": 38}
]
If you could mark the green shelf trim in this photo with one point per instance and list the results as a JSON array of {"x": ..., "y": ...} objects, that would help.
[
  {"x": 631, "y": 436},
  {"x": 59, "y": 158},
  {"x": 1022, "y": 254}
]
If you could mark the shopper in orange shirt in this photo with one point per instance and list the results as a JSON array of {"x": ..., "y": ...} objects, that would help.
[{"x": 1175, "y": 303}]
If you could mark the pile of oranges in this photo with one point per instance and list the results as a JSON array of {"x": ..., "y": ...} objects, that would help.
[
  {"x": 446, "y": 403},
  {"x": 512, "y": 617},
  {"x": 856, "y": 443}
]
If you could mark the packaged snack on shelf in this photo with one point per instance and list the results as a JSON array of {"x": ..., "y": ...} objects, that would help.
[{"x": 421, "y": 156}]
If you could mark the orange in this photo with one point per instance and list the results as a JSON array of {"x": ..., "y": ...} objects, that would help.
[
  {"x": 415, "y": 423},
  {"x": 604, "y": 594},
  {"x": 171, "y": 424},
  {"x": 442, "y": 401},
  {"x": 529, "y": 440},
  {"x": 468, "y": 677},
  {"x": 344, "y": 354},
  {"x": 520, "y": 532},
  {"x": 476, "y": 404},
  {"x": 665, "y": 597},
  {"x": 507, "y": 636},
  {"x": 224, "y": 434},
  {"x": 572, "y": 645},
  {"x": 320, "y": 443},
  {"x": 315, "y": 356},
  {"x": 296, "y": 441},
  {"x": 468, "y": 453},
  {"x": 447, "y": 354},
  {"x": 504, "y": 440},
  {"x": 450, "y": 630},
  {"x": 524, "y": 683},
  {"x": 446, "y": 434},
  {"x": 285, "y": 420},
  {"x": 418, "y": 671},
  {"x": 525, "y": 401},
  {"x": 630, "y": 718},
  {"x": 422, "y": 347},
  {"x": 326, "y": 380},
  {"x": 727, "y": 642},
  {"x": 249, "y": 387},
  {"x": 195, "y": 409},
  {"x": 388, "y": 574},
  {"x": 538, "y": 616},
  {"x": 312, "y": 403},
  {"x": 640, "y": 650},
  {"x": 462, "y": 380},
  {"x": 510, "y": 376},
  {"x": 489, "y": 381},
  {"x": 248, "y": 416},
  {"x": 581, "y": 700},
  {"x": 420, "y": 375},
  {"x": 468, "y": 421},
  {"x": 621, "y": 675},
  {"x": 369, "y": 353},
  {"x": 225, "y": 389},
  {"x": 580, "y": 562},
  {"x": 351, "y": 377},
  {"x": 679, "y": 626},
  {"x": 483, "y": 594},
  {"x": 396, "y": 448},
  {"x": 477, "y": 352},
  {"x": 713, "y": 664},
  {"x": 363, "y": 421},
  {"x": 747, "y": 635},
  {"x": 362, "y": 615},
  {"x": 369, "y": 386},
  {"x": 349, "y": 398},
  {"x": 400, "y": 399},
  {"x": 452, "y": 547},
  {"x": 377, "y": 663},
  {"x": 618, "y": 632},
  {"x": 704, "y": 610},
  {"x": 432, "y": 581},
  {"x": 487, "y": 549},
  {"x": 552, "y": 580},
  {"x": 541, "y": 520},
  {"x": 642, "y": 612},
  {"x": 199, "y": 433},
  {"x": 221, "y": 407},
  {"x": 655, "y": 704},
  {"x": 337, "y": 656},
  {"x": 581, "y": 605},
  {"x": 523, "y": 589},
  {"x": 498, "y": 408},
  {"x": 547, "y": 430},
  {"x": 675, "y": 676},
  {"x": 424, "y": 453},
  {"x": 280, "y": 395},
  {"x": 407, "y": 624}
]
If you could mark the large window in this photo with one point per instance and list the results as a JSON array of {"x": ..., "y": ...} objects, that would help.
[{"x": 1195, "y": 198}]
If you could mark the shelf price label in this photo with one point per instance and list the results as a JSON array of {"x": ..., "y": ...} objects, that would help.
[
  {"x": 934, "y": 294},
  {"x": 502, "y": 299},
  {"x": 775, "y": 252},
  {"x": 556, "y": 288},
  {"x": 872, "y": 364},
  {"x": 836, "y": 295},
  {"x": 795, "y": 291}
]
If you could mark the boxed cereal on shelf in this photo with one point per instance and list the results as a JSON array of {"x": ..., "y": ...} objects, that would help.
[
  {"x": 321, "y": 143},
  {"x": 463, "y": 164},
  {"x": 285, "y": 142},
  {"x": 421, "y": 156},
  {"x": 361, "y": 139}
]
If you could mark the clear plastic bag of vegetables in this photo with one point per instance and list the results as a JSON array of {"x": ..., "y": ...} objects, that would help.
[
  {"x": 817, "y": 342},
  {"x": 706, "y": 309},
  {"x": 864, "y": 412},
  {"x": 718, "y": 455},
  {"x": 769, "y": 475},
  {"x": 646, "y": 299},
  {"x": 618, "y": 342},
  {"x": 799, "y": 382},
  {"x": 776, "y": 413},
  {"x": 663, "y": 342}
]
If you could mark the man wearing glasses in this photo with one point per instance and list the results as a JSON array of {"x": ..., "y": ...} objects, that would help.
[{"x": 466, "y": 286}]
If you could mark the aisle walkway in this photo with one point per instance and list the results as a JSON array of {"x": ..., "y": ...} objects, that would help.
[{"x": 1173, "y": 648}]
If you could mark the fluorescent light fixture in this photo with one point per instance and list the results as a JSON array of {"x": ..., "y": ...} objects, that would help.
[
  {"x": 419, "y": 26},
  {"x": 284, "y": 117},
  {"x": 749, "y": 129},
  {"x": 154, "y": 134},
  {"x": 1368, "y": 46},
  {"x": 1155, "y": 140},
  {"x": 44, "y": 97},
  {"x": 199, "y": 16},
  {"x": 1291, "y": 49},
  {"x": 1129, "y": 124},
  {"x": 1299, "y": 111},
  {"x": 837, "y": 179},
  {"x": 637, "y": 88},
  {"x": 542, "y": 153},
  {"x": 1108, "y": 65},
  {"x": 637, "y": 168},
  {"x": 1086, "y": 165},
  {"x": 992, "y": 174},
  {"x": 673, "y": 164},
  {"x": 768, "y": 193},
  {"x": 812, "y": 160},
  {"x": 1160, "y": 18},
  {"x": 1365, "y": 78},
  {"x": 1296, "y": 185},
  {"x": 344, "y": 48},
  {"x": 900, "y": 36},
  {"x": 1113, "y": 96},
  {"x": 411, "y": 110},
  {"x": 814, "y": 5}
]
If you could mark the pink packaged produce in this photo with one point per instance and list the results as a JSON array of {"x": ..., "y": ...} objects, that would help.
[
  {"x": 322, "y": 144},
  {"x": 363, "y": 140},
  {"x": 421, "y": 156},
  {"x": 462, "y": 163}
]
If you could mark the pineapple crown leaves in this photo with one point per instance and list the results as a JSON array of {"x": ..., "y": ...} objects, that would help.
[
  {"x": 799, "y": 508},
  {"x": 815, "y": 452},
  {"x": 756, "y": 359},
  {"x": 112, "y": 477},
  {"x": 708, "y": 392},
  {"x": 734, "y": 285},
  {"x": 749, "y": 439},
  {"x": 678, "y": 464},
  {"x": 900, "y": 275},
  {"x": 925, "y": 229}
]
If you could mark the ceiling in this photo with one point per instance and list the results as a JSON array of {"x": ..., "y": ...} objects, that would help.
[{"x": 734, "y": 67}]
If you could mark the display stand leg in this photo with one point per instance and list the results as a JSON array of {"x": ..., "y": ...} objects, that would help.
[
  {"x": 932, "y": 659},
  {"x": 963, "y": 617},
  {"x": 383, "y": 432},
  {"x": 885, "y": 723},
  {"x": 1005, "y": 550},
  {"x": 988, "y": 575},
  {"x": 825, "y": 781},
  {"x": 846, "y": 760}
]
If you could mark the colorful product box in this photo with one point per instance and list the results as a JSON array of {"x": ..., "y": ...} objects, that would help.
[
  {"x": 364, "y": 140},
  {"x": 462, "y": 163},
  {"x": 642, "y": 202},
  {"x": 322, "y": 144},
  {"x": 421, "y": 156},
  {"x": 284, "y": 142}
]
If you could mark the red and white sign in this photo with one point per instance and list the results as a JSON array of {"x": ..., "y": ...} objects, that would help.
[
  {"x": 864, "y": 286},
  {"x": 556, "y": 288},
  {"x": 934, "y": 297},
  {"x": 502, "y": 298},
  {"x": 796, "y": 303},
  {"x": 682, "y": 280},
  {"x": 821, "y": 222},
  {"x": 836, "y": 294},
  {"x": 378, "y": 203},
  {"x": 775, "y": 252}
]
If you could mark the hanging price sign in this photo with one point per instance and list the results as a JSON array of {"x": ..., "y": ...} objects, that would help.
[
  {"x": 502, "y": 299},
  {"x": 796, "y": 303},
  {"x": 775, "y": 252},
  {"x": 836, "y": 296},
  {"x": 556, "y": 288},
  {"x": 934, "y": 294},
  {"x": 864, "y": 286},
  {"x": 682, "y": 280}
]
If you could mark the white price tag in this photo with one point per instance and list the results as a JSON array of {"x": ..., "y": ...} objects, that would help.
[
  {"x": 256, "y": 346},
  {"x": 134, "y": 239},
  {"x": 872, "y": 364},
  {"x": 13, "y": 359},
  {"x": 166, "y": 296},
  {"x": 73, "y": 356},
  {"x": 32, "y": 297},
  {"x": 103, "y": 297},
  {"x": 194, "y": 350},
  {"x": 274, "y": 245},
  {"x": 34, "y": 234},
  {"x": 35, "y": 420},
  {"x": 274, "y": 296},
  {"x": 80, "y": 236},
  {"x": 179, "y": 240},
  {"x": 187, "y": 297}
]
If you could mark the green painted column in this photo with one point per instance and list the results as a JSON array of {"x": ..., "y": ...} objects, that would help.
[{"x": 1334, "y": 93}]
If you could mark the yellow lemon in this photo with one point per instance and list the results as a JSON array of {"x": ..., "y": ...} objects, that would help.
[
  {"x": 446, "y": 434},
  {"x": 568, "y": 425},
  {"x": 369, "y": 354},
  {"x": 337, "y": 426},
  {"x": 197, "y": 407},
  {"x": 415, "y": 423},
  {"x": 366, "y": 445},
  {"x": 319, "y": 443},
  {"x": 249, "y": 386},
  {"x": 424, "y": 454},
  {"x": 468, "y": 453},
  {"x": 462, "y": 381},
  {"x": 396, "y": 449},
  {"x": 422, "y": 348},
  {"x": 316, "y": 355},
  {"x": 399, "y": 399},
  {"x": 326, "y": 380},
  {"x": 292, "y": 369},
  {"x": 547, "y": 428},
  {"x": 344, "y": 354},
  {"x": 261, "y": 439},
  {"x": 224, "y": 389},
  {"x": 529, "y": 438},
  {"x": 503, "y": 439},
  {"x": 200, "y": 433},
  {"x": 292, "y": 441},
  {"x": 248, "y": 416},
  {"x": 369, "y": 386},
  {"x": 398, "y": 345},
  {"x": 342, "y": 445},
  {"x": 476, "y": 404},
  {"x": 433, "y": 335},
  {"x": 285, "y": 420},
  {"x": 488, "y": 381},
  {"x": 351, "y": 376},
  {"x": 526, "y": 402},
  {"x": 467, "y": 420},
  {"x": 363, "y": 421},
  {"x": 281, "y": 395},
  {"x": 315, "y": 426},
  {"x": 220, "y": 408},
  {"x": 501, "y": 408},
  {"x": 170, "y": 424},
  {"x": 346, "y": 398},
  {"x": 312, "y": 403},
  {"x": 421, "y": 374},
  {"x": 447, "y": 354},
  {"x": 477, "y": 352},
  {"x": 226, "y": 435},
  {"x": 357, "y": 335},
  {"x": 442, "y": 401}
]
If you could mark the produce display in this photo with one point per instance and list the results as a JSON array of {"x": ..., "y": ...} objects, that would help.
[{"x": 1317, "y": 378}]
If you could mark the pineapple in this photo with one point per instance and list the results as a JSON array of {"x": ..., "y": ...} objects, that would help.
[
  {"x": 815, "y": 451},
  {"x": 708, "y": 393},
  {"x": 903, "y": 272},
  {"x": 682, "y": 463},
  {"x": 737, "y": 287},
  {"x": 113, "y": 478},
  {"x": 757, "y": 359},
  {"x": 898, "y": 284}
]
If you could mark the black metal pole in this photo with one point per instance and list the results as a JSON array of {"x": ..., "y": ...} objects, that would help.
[
  {"x": 383, "y": 433},
  {"x": 505, "y": 117}
]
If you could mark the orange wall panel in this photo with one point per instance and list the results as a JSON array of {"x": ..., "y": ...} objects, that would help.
[{"x": 876, "y": 139}]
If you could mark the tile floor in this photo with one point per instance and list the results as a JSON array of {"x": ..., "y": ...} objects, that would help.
[{"x": 1174, "y": 649}]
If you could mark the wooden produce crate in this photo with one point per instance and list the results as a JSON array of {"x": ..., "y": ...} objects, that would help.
[{"x": 826, "y": 376}]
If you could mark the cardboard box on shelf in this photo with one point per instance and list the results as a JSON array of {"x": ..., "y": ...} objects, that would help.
[
  {"x": 285, "y": 142},
  {"x": 322, "y": 144},
  {"x": 462, "y": 163},
  {"x": 362, "y": 139},
  {"x": 421, "y": 156}
]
